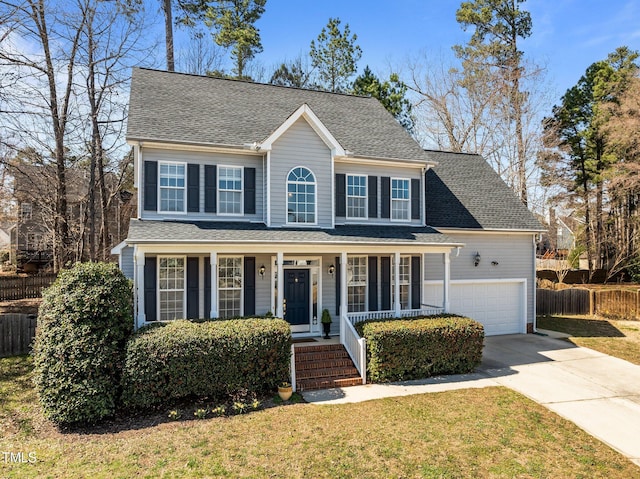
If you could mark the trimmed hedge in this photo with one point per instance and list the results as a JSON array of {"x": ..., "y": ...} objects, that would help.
[
  {"x": 213, "y": 359},
  {"x": 416, "y": 348},
  {"x": 83, "y": 324}
]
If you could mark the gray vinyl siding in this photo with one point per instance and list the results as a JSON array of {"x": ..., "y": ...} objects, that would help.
[
  {"x": 301, "y": 146},
  {"x": 512, "y": 252},
  {"x": 263, "y": 285},
  {"x": 203, "y": 158},
  {"x": 126, "y": 260},
  {"x": 379, "y": 171}
]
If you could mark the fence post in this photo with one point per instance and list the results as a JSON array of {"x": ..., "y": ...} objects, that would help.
[{"x": 592, "y": 301}]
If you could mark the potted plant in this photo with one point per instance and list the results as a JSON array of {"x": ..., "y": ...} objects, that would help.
[
  {"x": 326, "y": 323},
  {"x": 285, "y": 391}
]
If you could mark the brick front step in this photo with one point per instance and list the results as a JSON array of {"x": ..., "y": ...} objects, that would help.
[
  {"x": 324, "y": 366},
  {"x": 312, "y": 384}
]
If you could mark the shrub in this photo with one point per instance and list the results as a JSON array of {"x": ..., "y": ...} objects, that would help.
[
  {"x": 83, "y": 324},
  {"x": 214, "y": 359},
  {"x": 401, "y": 349}
]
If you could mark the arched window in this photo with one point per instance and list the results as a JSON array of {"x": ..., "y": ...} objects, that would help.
[{"x": 301, "y": 196}]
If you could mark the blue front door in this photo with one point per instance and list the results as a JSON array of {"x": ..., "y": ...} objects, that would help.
[{"x": 296, "y": 296}]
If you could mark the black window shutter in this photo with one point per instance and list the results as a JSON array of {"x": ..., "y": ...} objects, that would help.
[
  {"x": 151, "y": 185},
  {"x": 207, "y": 287},
  {"x": 249, "y": 191},
  {"x": 372, "y": 192},
  {"x": 249, "y": 286},
  {"x": 373, "y": 283},
  {"x": 193, "y": 298},
  {"x": 415, "y": 199},
  {"x": 385, "y": 184},
  {"x": 193, "y": 188},
  {"x": 150, "y": 288},
  {"x": 385, "y": 283},
  {"x": 210, "y": 185},
  {"x": 341, "y": 195},
  {"x": 337, "y": 273},
  {"x": 416, "y": 285}
]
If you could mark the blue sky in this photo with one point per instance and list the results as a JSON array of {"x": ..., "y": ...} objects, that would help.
[{"x": 568, "y": 35}]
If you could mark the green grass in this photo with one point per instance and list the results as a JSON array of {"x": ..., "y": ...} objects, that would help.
[
  {"x": 491, "y": 432},
  {"x": 615, "y": 337}
]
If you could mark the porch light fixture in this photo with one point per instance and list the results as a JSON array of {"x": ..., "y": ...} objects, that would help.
[
  {"x": 476, "y": 259},
  {"x": 331, "y": 270},
  {"x": 261, "y": 271}
]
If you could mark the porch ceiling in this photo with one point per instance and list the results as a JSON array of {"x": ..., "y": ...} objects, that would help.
[{"x": 162, "y": 232}]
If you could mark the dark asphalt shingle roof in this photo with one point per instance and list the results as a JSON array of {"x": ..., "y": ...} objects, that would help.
[
  {"x": 152, "y": 231},
  {"x": 463, "y": 191},
  {"x": 204, "y": 110}
]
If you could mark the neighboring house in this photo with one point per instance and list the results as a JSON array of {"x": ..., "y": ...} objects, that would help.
[
  {"x": 5, "y": 238},
  {"x": 32, "y": 233},
  {"x": 257, "y": 198},
  {"x": 559, "y": 238}
]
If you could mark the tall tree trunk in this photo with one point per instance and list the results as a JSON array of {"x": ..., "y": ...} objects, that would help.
[
  {"x": 95, "y": 134},
  {"x": 168, "y": 30}
]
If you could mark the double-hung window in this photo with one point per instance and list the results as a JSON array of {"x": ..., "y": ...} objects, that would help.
[
  {"x": 404, "y": 280},
  {"x": 230, "y": 286},
  {"x": 400, "y": 199},
  {"x": 25, "y": 211},
  {"x": 229, "y": 190},
  {"x": 171, "y": 287},
  {"x": 357, "y": 283},
  {"x": 172, "y": 186},
  {"x": 356, "y": 196}
]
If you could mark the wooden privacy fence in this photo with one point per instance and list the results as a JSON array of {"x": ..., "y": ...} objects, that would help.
[
  {"x": 16, "y": 333},
  {"x": 624, "y": 304},
  {"x": 24, "y": 287}
]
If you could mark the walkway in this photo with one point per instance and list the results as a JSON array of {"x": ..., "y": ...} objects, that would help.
[{"x": 597, "y": 392}]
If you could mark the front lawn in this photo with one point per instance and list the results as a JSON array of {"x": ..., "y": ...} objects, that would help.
[
  {"x": 617, "y": 338},
  {"x": 492, "y": 432}
]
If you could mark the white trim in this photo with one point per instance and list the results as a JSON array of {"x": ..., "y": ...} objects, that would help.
[
  {"x": 268, "y": 175},
  {"x": 138, "y": 167},
  {"x": 184, "y": 188},
  {"x": 332, "y": 193},
  {"x": 392, "y": 199},
  {"x": 393, "y": 162},
  {"x": 164, "y": 144},
  {"x": 305, "y": 112},
  {"x": 139, "y": 260},
  {"x": 233, "y": 167},
  {"x": 184, "y": 289},
  {"x": 485, "y": 231},
  {"x": 213, "y": 266},
  {"x": 446, "y": 281},
  {"x": 366, "y": 196},
  {"x": 117, "y": 249},
  {"x": 286, "y": 197}
]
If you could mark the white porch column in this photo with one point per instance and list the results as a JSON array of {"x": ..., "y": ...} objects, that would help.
[
  {"x": 214, "y": 285},
  {"x": 396, "y": 285},
  {"x": 280, "y": 284},
  {"x": 139, "y": 296},
  {"x": 344, "y": 301},
  {"x": 446, "y": 281}
]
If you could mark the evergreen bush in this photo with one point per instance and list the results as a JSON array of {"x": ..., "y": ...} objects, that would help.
[{"x": 83, "y": 325}]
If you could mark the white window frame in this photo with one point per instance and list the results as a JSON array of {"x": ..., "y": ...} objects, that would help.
[
  {"x": 286, "y": 196},
  {"x": 366, "y": 283},
  {"x": 241, "y": 191},
  {"x": 366, "y": 192},
  {"x": 184, "y": 188},
  {"x": 184, "y": 289},
  {"x": 407, "y": 201},
  {"x": 26, "y": 213},
  {"x": 393, "y": 280},
  {"x": 242, "y": 279}
]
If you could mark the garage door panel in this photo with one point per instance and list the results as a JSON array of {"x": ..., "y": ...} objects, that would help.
[{"x": 497, "y": 305}]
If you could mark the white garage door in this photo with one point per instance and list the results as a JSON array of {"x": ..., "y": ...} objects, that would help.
[{"x": 498, "y": 305}]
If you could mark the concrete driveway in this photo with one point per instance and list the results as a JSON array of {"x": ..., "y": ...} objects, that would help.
[{"x": 597, "y": 392}]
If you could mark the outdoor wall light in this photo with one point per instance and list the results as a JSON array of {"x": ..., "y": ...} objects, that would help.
[
  {"x": 261, "y": 271},
  {"x": 495, "y": 263},
  {"x": 476, "y": 259},
  {"x": 331, "y": 270}
]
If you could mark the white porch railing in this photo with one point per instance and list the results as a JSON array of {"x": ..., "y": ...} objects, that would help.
[
  {"x": 355, "y": 346},
  {"x": 355, "y": 318}
]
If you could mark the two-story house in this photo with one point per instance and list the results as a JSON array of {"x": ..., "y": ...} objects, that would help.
[{"x": 257, "y": 198}]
